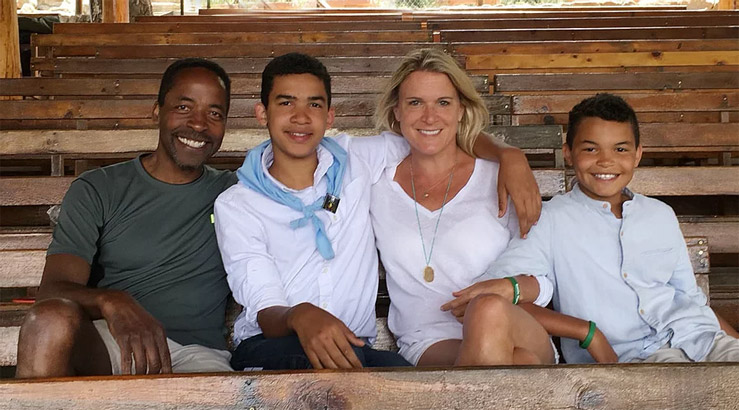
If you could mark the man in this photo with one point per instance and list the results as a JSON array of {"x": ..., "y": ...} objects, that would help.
[{"x": 133, "y": 281}]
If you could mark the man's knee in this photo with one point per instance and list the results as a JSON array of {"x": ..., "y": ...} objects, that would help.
[{"x": 57, "y": 318}]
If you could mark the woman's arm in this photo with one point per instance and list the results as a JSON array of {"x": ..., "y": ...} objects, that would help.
[{"x": 515, "y": 178}]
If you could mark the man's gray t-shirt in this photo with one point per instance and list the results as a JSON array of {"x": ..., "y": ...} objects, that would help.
[{"x": 153, "y": 240}]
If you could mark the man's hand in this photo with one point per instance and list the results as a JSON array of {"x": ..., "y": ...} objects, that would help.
[
  {"x": 516, "y": 179},
  {"x": 137, "y": 333},
  {"x": 325, "y": 339},
  {"x": 601, "y": 350},
  {"x": 458, "y": 305}
]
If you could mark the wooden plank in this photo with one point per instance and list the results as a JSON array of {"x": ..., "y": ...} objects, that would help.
[
  {"x": 685, "y": 117},
  {"x": 115, "y": 11},
  {"x": 641, "y": 102},
  {"x": 49, "y": 40},
  {"x": 242, "y": 50},
  {"x": 581, "y": 22},
  {"x": 577, "y": 386},
  {"x": 19, "y": 240},
  {"x": 542, "y": 136},
  {"x": 601, "y": 82},
  {"x": 33, "y": 191},
  {"x": 646, "y": 33},
  {"x": 592, "y": 46},
  {"x": 21, "y": 269},
  {"x": 677, "y": 181},
  {"x": 722, "y": 231},
  {"x": 692, "y": 137},
  {"x": 126, "y": 87},
  {"x": 234, "y": 66},
  {"x": 8, "y": 345},
  {"x": 238, "y": 27},
  {"x": 19, "y": 191},
  {"x": 638, "y": 59}
]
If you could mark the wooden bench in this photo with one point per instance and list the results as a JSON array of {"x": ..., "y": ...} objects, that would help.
[
  {"x": 647, "y": 386},
  {"x": 22, "y": 251}
]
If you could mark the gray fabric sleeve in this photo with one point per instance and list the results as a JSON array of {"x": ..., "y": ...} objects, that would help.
[{"x": 80, "y": 222}]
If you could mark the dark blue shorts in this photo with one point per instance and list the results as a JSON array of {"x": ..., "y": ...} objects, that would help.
[{"x": 286, "y": 353}]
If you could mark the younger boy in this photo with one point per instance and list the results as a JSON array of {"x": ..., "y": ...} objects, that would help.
[{"x": 615, "y": 257}]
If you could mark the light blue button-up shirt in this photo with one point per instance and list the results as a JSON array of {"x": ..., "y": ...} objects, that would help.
[{"x": 632, "y": 276}]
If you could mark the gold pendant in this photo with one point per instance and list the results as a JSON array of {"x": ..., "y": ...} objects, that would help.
[{"x": 428, "y": 274}]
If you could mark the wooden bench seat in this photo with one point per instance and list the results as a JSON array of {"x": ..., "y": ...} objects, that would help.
[{"x": 645, "y": 386}]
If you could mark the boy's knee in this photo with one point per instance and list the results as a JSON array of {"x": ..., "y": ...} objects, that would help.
[{"x": 58, "y": 318}]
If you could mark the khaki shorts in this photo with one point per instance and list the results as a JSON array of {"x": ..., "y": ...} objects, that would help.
[
  {"x": 725, "y": 349},
  {"x": 185, "y": 359}
]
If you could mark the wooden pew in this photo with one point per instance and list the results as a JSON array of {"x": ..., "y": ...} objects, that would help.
[
  {"x": 645, "y": 386},
  {"x": 22, "y": 251}
]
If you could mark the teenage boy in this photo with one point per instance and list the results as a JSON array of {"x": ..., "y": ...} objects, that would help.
[
  {"x": 133, "y": 280},
  {"x": 308, "y": 292},
  {"x": 618, "y": 258}
]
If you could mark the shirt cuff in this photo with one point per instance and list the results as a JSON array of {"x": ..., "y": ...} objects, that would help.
[{"x": 546, "y": 290}]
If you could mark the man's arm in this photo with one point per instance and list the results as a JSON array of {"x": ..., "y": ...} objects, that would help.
[
  {"x": 325, "y": 339},
  {"x": 515, "y": 178},
  {"x": 132, "y": 327},
  {"x": 557, "y": 324}
]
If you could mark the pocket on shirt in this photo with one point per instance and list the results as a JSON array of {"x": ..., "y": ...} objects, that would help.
[{"x": 658, "y": 264}]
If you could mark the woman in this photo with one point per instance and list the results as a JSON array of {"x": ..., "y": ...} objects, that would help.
[{"x": 435, "y": 216}]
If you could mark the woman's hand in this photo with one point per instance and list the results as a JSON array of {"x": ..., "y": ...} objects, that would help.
[
  {"x": 458, "y": 305},
  {"x": 516, "y": 179}
]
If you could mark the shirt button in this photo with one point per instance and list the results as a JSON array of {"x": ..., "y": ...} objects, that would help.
[
  {"x": 626, "y": 275},
  {"x": 641, "y": 311},
  {"x": 324, "y": 305},
  {"x": 622, "y": 233},
  {"x": 605, "y": 206},
  {"x": 324, "y": 270}
]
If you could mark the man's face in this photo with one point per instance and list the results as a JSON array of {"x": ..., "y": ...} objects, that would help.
[
  {"x": 604, "y": 156},
  {"x": 297, "y": 115},
  {"x": 192, "y": 119}
]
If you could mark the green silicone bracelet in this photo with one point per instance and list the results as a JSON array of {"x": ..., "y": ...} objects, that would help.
[
  {"x": 516, "y": 289},
  {"x": 589, "y": 338}
]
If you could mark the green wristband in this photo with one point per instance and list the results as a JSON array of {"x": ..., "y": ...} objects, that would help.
[
  {"x": 516, "y": 289},
  {"x": 589, "y": 338}
]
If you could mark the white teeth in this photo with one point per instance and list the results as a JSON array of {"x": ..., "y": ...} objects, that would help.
[
  {"x": 429, "y": 132},
  {"x": 605, "y": 176},
  {"x": 191, "y": 143}
]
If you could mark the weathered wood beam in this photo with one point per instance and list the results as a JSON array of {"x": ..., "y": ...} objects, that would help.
[
  {"x": 115, "y": 11},
  {"x": 637, "y": 386},
  {"x": 10, "y": 55}
]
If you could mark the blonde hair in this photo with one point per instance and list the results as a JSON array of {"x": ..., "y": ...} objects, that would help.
[{"x": 475, "y": 117}]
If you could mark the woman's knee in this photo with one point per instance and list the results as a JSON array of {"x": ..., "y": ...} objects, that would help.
[
  {"x": 488, "y": 310},
  {"x": 55, "y": 317}
]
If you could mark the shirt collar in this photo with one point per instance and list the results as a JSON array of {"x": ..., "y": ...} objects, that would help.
[
  {"x": 599, "y": 206},
  {"x": 325, "y": 159}
]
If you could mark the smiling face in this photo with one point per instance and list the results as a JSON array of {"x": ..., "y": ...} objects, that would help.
[
  {"x": 297, "y": 115},
  {"x": 192, "y": 120},
  {"x": 429, "y": 111},
  {"x": 604, "y": 156}
]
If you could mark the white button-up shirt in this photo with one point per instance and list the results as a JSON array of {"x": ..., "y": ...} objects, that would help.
[
  {"x": 632, "y": 276},
  {"x": 270, "y": 264}
]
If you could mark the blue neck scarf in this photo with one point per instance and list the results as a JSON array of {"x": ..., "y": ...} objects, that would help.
[{"x": 253, "y": 176}]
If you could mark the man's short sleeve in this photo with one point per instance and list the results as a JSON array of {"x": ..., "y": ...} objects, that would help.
[{"x": 80, "y": 222}]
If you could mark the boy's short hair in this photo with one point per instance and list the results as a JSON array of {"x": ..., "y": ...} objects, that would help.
[
  {"x": 605, "y": 106},
  {"x": 294, "y": 63},
  {"x": 171, "y": 72}
]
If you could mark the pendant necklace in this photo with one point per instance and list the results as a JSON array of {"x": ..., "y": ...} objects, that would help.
[{"x": 428, "y": 271}]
